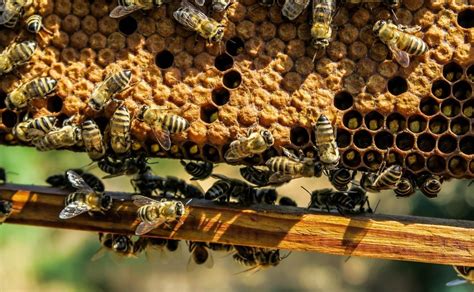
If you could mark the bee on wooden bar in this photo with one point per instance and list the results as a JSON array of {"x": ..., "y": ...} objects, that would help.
[
  {"x": 321, "y": 30},
  {"x": 466, "y": 275},
  {"x": 93, "y": 141},
  {"x": 399, "y": 40},
  {"x": 198, "y": 170},
  {"x": 382, "y": 180},
  {"x": 84, "y": 199},
  {"x": 226, "y": 188},
  {"x": 266, "y": 196},
  {"x": 37, "y": 88},
  {"x": 256, "y": 142},
  {"x": 34, "y": 24},
  {"x": 326, "y": 143},
  {"x": 330, "y": 199},
  {"x": 430, "y": 185},
  {"x": 126, "y": 7},
  {"x": 257, "y": 258},
  {"x": 62, "y": 181},
  {"x": 146, "y": 183},
  {"x": 293, "y": 8},
  {"x": 220, "y": 247},
  {"x": 30, "y": 129},
  {"x": 405, "y": 187},
  {"x": 6, "y": 208},
  {"x": 119, "y": 130},
  {"x": 200, "y": 255},
  {"x": 16, "y": 54},
  {"x": 154, "y": 213},
  {"x": 119, "y": 244},
  {"x": 340, "y": 178},
  {"x": 287, "y": 201},
  {"x": 105, "y": 91},
  {"x": 12, "y": 10},
  {"x": 359, "y": 196},
  {"x": 256, "y": 176},
  {"x": 194, "y": 19}
]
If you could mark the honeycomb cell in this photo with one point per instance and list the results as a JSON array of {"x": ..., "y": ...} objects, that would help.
[
  {"x": 468, "y": 108},
  {"x": 191, "y": 150},
  {"x": 343, "y": 100},
  {"x": 223, "y": 62},
  {"x": 220, "y": 96},
  {"x": 352, "y": 119},
  {"x": 210, "y": 153},
  {"x": 441, "y": 89},
  {"x": 415, "y": 162},
  {"x": 362, "y": 139},
  {"x": 457, "y": 166},
  {"x": 351, "y": 158},
  {"x": 466, "y": 145},
  {"x": 452, "y": 72},
  {"x": 234, "y": 46},
  {"x": 459, "y": 126},
  {"x": 426, "y": 142},
  {"x": 394, "y": 158},
  {"x": 9, "y": 118},
  {"x": 299, "y": 136},
  {"x": 343, "y": 138},
  {"x": 128, "y": 25},
  {"x": 395, "y": 123},
  {"x": 405, "y": 141},
  {"x": 397, "y": 85},
  {"x": 209, "y": 113},
  {"x": 417, "y": 123},
  {"x": 373, "y": 121},
  {"x": 447, "y": 143},
  {"x": 462, "y": 90},
  {"x": 232, "y": 79},
  {"x": 373, "y": 159},
  {"x": 438, "y": 124},
  {"x": 470, "y": 73},
  {"x": 429, "y": 106},
  {"x": 54, "y": 104},
  {"x": 383, "y": 140},
  {"x": 450, "y": 107},
  {"x": 164, "y": 59},
  {"x": 466, "y": 18},
  {"x": 436, "y": 164}
]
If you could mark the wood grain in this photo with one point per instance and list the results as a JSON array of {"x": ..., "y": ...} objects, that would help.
[{"x": 418, "y": 239}]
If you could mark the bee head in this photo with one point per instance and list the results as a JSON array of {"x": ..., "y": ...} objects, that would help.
[
  {"x": 106, "y": 202},
  {"x": 33, "y": 27},
  {"x": 106, "y": 239},
  {"x": 268, "y": 137},
  {"x": 120, "y": 243},
  {"x": 378, "y": 25},
  {"x": 141, "y": 112},
  {"x": 19, "y": 131},
  {"x": 275, "y": 258},
  {"x": 78, "y": 135},
  {"x": 217, "y": 37},
  {"x": 180, "y": 210}
]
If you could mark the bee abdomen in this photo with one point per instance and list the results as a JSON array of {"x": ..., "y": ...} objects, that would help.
[
  {"x": 33, "y": 23},
  {"x": 146, "y": 213},
  {"x": 45, "y": 123},
  {"x": 416, "y": 46},
  {"x": 175, "y": 124},
  {"x": 41, "y": 87}
]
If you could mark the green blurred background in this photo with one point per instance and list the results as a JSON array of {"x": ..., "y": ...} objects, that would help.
[{"x": 44, "y": 259}]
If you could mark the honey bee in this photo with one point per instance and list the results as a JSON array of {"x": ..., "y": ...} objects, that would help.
[
  {"x": 126, "y": 7},
  {"x": 127, "y": 166},
  {"x": 465, "y": 273},
  {"x": 16, "y": 54},
  {"x": 119, "y": 244},
  {"x": 119, "y": 128},
  {"x": 84, "y": 199},
  {"x": 36, "y": 88},
  {"x": 30, "y": 129},
  {"x": 290, "y": 167},
  {"x": 154, "y": 213},
  {"x": 321, "y": 30},
  {"x": 257, "y": 258},
  {"x": 93, "y": 141},
  {"x": 162, "y": 124},
  {"x": 256, "y": 176},
  {"x": 340, "y": 178},
  {"x": 430, "y": 185},
  {"x": 12, "y": 10},
  {"x": 106, "y": 90},
  {"x": 266, "y": 196},
  {"x": 256, "y": 142},
  {"x": 198, "y": 170},
  {"x": 62, "y": 181},
  {"x": 326, "y": 143},
  {"x": 382, "y": 180},
  {"x": 293, "y": 8},
  {"x": 287, "y": 201},
  {"x": 221, "y": 5},
  {"x": 405, "y": 187},
  {"x": 341, "y": 201},
  {"x": 66, "y": 136},
  {"x": 226, "y": 188},
  {"x": 200, "y": 255},
  {"x": 399, "y": 41},
  {"x": 34, "y": 24},
  {"x": 220, "y": 247},
  {"x": 194, "y": 19},
  {"x": 6, "y": 208}
]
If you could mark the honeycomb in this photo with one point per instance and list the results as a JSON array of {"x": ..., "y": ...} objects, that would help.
[{"x": 263, "y": 73}]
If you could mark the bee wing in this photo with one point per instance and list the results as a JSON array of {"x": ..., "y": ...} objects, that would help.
[
  {"x": 72, "y": 210},
  {"x": 200, "y": 2},
  {"x": 189, "y": 16},
  {"x": 120, "y": 11},
  {"x": 456, "y": 282},
  {"x": 290, "y": 155},
  {"x": 400, "y": 56},
  {"x": 162, "y": 135},
  {"x": 145, "y": 227},
  {"x": 140, "y": 200},
  {"x": 210, "y": 260},
  {"x": 9, "y": 12},
  {"x": 78, "y": 182},
  {"x": 278, "y": 177}
]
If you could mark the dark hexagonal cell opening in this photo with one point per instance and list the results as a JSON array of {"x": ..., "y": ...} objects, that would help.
[
  {"x": 9, "y": 118},
  {"x": 351, "y": 158},
  {"x": 269, "y": 153},
  {"x": 429, "y": 106},
  {"x": 299, "y": 136},
  {"x": 470, "y": 73},
  {"x": 223, "y": 62},
  {"x": 191, "y": 149},
  {"x": 397, "y": 85},
  {"x": 468, "y": 108},
  {"x": 447, "y": 144},
  {"x": 457, "y": 165},
  {"x": 466, "y": 18},
  {"x": 210, "y": 153},
  {"x": 352, "y": 119},
  {"x": 462, "y": 90},
  {"x": 459, "y": 126},
  {"x": 417, "y": 123},
  {"x": 426, "y": 142},
  {"x": 394, "y": 158},
  {"x": 467, "y": 145},
  {"x": 61, "y": 118},
  {"x": 128, "y": 25},
  {"x": 343, "y": 100},
  {"x": 450, "y": 107},
  {"x": 441, "y": 89},
  {"x": 373, "y": 159},
  {"x": 396, "y": 123},
  {"x": 220, "y": 96},
  {"x": 102, "y": 123},
  {"x": 164, "y": 59},
  {"x": 383, "y": 140},
  {"x": 452, "y": 72},
  {"x": 343, "y": 138},
  {"x": 436, "y": 164},
  {"x": 3, "y": 95},
  {"x": 405, "y": 141},
  {"x": 438, "y": 125},
  {"x": 373, "y": 121},
  {"x": 232, "y": 79},
  {"x": 362, "y": 139},
  {"x": 415, "y": 162},
  {"x": 209, "y": 113},
  {"x": 234, "y": 46},
  {"x": 54, "y": 104}
]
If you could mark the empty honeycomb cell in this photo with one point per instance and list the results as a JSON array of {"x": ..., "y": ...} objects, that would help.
[
  {"x": 459, "y": 126},
  {"x": 457, "y": 166},
  {"x": 426, "y": 142},
  {"x": 397, "y": 85},
  {"x": 299, "y": 136},
  {"x": 436, "y": 164},
  {"x": 467, "y": 145},
  {"x": 223, "y": 62},
  {"x": 128, "y": 25},
  {"x": 373, "y": 159},
  {"x": 395, "y": 123},
  {"x": 447, "y": 143},
  {"x": 54, "y": 104},
  {"x": 362, "y": 139},
  {"x": 450, "y": 107},
  {"x": 343, "y": 138},
  {"x": 462, "y": 90},
  {"x": 467, "y": 108},
  {"x": 429, "y": 106},
  {"x": 416, "y": 123},
  {"x": 209, "y": 113},
  {"x": 232, "y": 79},
  {"x": 9, "y": 118},
  {"x": 210, "y": 153},
  {"x": 383, "y": 140},
  {"x": 351, "y": 158},
  {"x": 452, "y": 72},
  {"x": 438, "y": 124},
  {"x": 470, "y": 73},
  {"x": 466, "y": 18},
  {"x": 441, "y": 89},
  {"x": 343, "y": 100},
  {"x": 352, "y": 119},
  {"x": 220, "y": 96},
  {"x": 164, "y": 59},
  {"x": 405, "y": 141},
  {"x": 234, "y": 46},
  {"x": 415, "y": 162},
  {"x": 373, "y": 121}
]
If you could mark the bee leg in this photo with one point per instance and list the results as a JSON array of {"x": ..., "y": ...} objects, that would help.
[
  {"x": 409, "y": 29},
  {"x": 327, "y": 207},
  {"x": 47, "y": 30}
]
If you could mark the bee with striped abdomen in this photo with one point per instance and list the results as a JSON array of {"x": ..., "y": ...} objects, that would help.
[
  {"x": 256, "y": 142},
  {"x": 220, "y": 246},
  {"x": 84, "y": 199},
  {"x": 6, "y": 208},
  {"x": 119, "y": 244},
  {"x": 286, "y": 168},
  {"x": 162, "y": 124},
  {"x": 430, "y": 185},
  {"x": 30, "y": 129},
  {"x": 128, "y": 166},
  {"x": 34, "y": 24},
  {"x": 326, "y": 143},
  {"x": 256, "y": 176},
  {"x": 12, "y": 10},
  {"x": 340, "y": 178},
  {"x": 466, "y": 275},
  {"x": 194, "y": 19},
  {"x": 200, "y": 255},
  {"x": 405, "y": 187},
  {"x": 330, "y": 199},
  {"x": 105, "y": 91},
  {"x": 154, "y": 213},
  {"x": 16, "y": 54},
  {"x": 93, "y": 141},
  {"x": 198, "y": 170},
  {"x": 359, "y": 196},
  {"x": 287, "y": 201},
  {"x": 399, "y": 40},
  {"x": 321, "y": 30},
  {"x": 66, "y": 136},
  {"x": 257, "y": 258},
  {"x": 382, "y": 180},
  {"x": 226, "y": 188},
  {"x": 126, "y": 7},
  {"x": 119, "y": 130},
  {"x": 37, "y": 88},
  {"x": 266, "y": 196},
  {"x": 293, "y": 8},
  {"x": 62, "y": 181}
]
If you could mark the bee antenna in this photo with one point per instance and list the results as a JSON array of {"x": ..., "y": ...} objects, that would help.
[
  {"x": 187, "y": 203},
  {"x": 306, "y": 190},
  {"x": 376, "y": 206}
]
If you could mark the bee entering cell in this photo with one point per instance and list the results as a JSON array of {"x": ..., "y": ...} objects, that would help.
[
  {"x": 426, "y": 142},
  {"x": 466, "y": 18},
  {"x": 441, "y": 89},
  {"x": 415, "y": 162},
  {"x": 438, "y": 125},
  {"x": 191, "y": 149},
  {"x": 397, "y": 85},
  {"x": 55, "y": 104},
  {"x": 299, "y": 136},
  {"x": 234, "y": 46},
  {"x": 467, "y": 145},
  {"x": 232, "y": 79},
  {"x": 164, "y": 59},
  {"x": 373, "y": 121},
  {"x": 362, "y": 139},
  {"x": 450, "y": 107},
  {"x": 462, "y": 90},
  {"x": 210, "y": 153},
  {"x": 209, "y": 113},
  {"x": 468, "y": 109},
  {"x": 459, "y": 126},
  {"x": 436, "y": 164},
  {"x": 128, "y": 25},
  {"x": 343, "y": 100},
  {"x": 351, "y": 158},
  {"x": 457, "y": 165},
  {"x": 396, "y": 123},
  {"x": 447, "y": 144},
  {"x": 405, "y": 141},
  {"x": 3, "y": 95},
  {"x": 352, "y": 119},
  {"x": 373, "y": 159},
  {"x": 429, "y": 106},
  {"x": 9, "y": 118},
  {"x": 223, "y": 62},
  {"x": 383, "y": 140},
  {"x": 452, "y": 72},
  {"x": 416, "y": 123},
  {"x": 220, "y": 96},
  {"x": 343, "y": 138}
]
